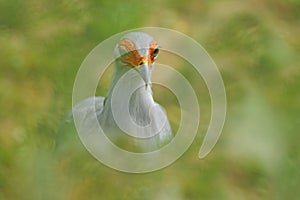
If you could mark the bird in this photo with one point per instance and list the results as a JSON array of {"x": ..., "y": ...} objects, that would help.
[{"x": 135, "y": 55}]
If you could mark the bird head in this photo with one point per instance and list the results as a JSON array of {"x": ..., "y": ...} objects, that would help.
[{"x": 138, "y": 51}]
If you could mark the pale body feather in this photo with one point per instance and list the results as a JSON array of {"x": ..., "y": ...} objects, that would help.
[{"x": 140, "y": 104}]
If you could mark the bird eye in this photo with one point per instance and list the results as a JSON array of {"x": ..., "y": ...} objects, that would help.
[
  {"x": 141, "y": 62},
  {"x": 154, "y": 53}
]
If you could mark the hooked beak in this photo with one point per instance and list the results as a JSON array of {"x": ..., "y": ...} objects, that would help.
[{"x": 145, "y": 73}]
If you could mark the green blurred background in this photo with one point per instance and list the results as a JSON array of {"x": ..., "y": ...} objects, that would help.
[{"x": 256, "y": 45}]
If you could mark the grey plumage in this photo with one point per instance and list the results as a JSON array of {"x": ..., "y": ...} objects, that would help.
[{"x": 147, "y": 115}]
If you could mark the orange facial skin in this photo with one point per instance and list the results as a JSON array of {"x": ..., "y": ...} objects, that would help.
[
  {"x": 132, "y": 56},
  {"x": 151, "y": 56}
]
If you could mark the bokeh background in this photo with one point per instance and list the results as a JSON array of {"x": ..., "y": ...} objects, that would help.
[{"x": 255, "y": 44}]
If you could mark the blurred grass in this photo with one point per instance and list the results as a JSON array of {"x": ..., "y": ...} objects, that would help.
[{"x": 255, "y": 44}]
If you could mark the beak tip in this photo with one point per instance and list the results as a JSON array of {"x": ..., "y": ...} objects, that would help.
[{"x": 147, "y": 85}]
